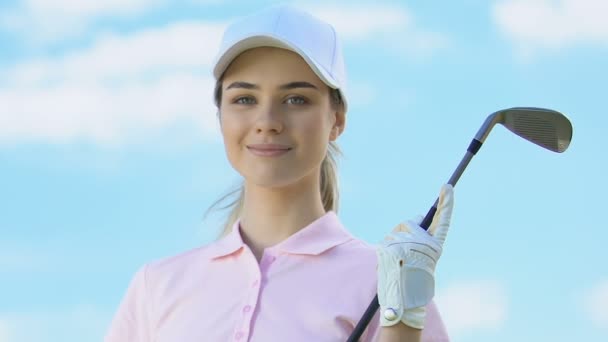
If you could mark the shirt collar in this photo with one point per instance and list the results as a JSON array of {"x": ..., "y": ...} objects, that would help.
[{"x": 322, "y": 234}]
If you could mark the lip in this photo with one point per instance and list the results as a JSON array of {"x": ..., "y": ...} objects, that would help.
[{"x": 268, "y": 150}]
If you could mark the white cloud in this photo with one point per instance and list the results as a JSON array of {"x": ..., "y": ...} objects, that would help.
[
  {"x": 119, "y": 87},
  {"x": 52, "y": 20},
  {"x": 107, "y": 115},
  {"x": 391, "y": 26},
  {"x": 112, "y": 57},
  {"x": 363, "y": 22},
  {"x": 81, "y": 323},
  {"x": 86, "y": 7},
  {"x": 127, "y": 86},
  {"x": 472, "y": 306},
  {"x": 595, "y": 304},
  {"x": 542, "y": 24},
  {"x": 4, "y": 332}
]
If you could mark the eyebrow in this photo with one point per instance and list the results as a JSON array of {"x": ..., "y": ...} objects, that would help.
[{"x": 287, "y": 86}]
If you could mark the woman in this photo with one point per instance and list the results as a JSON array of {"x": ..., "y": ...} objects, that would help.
[{"x": 285, "y": 268}]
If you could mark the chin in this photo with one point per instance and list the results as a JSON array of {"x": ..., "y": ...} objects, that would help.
[
  {"x": 275, "y": 177},
  {"x": 271, "y": 182}
]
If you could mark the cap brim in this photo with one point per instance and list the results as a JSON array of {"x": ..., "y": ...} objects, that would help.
[{"x": 224, "y": 60}]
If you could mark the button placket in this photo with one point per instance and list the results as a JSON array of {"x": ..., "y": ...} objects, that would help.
[
  {"x": 243, "y": 328},
  {"x": 254, "y": 292},
  {"x": 266, "y": 261},
  {"x": 247, "y": 310}
]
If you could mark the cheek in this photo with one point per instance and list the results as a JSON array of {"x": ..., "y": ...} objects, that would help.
[
  {"x": 232, "y": 132},
  {"x": 231, "y": 137},
  {"x": 318, "y": 128},
  {"x": 314, "y": 135},
  {"x": 230, "y": 126}
]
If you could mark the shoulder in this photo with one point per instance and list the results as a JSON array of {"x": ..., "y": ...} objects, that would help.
[
  {"x": 179, "y": 260},
  {"x": 348, "y": 248},
  {"x": 176, "y": 267},
  {"x": 357, "y": 248},
  {"x": 356, "y": 258}
]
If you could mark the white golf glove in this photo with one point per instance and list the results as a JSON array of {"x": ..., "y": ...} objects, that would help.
[{"x": 406, "y": 265}]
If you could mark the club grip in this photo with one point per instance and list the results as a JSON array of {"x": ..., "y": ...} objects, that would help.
[
  {"x": 426, "y": 223},
  {"x": 374, "y": 305}
]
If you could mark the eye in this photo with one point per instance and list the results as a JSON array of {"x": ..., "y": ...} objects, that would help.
[
  {"x": 244, "y": 100},
  {"x": 296, "y": 100}
]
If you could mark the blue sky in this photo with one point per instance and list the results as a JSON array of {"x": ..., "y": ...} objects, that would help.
[{"x": 110, "y": 153}]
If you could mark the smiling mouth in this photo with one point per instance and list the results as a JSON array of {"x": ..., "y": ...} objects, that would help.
[{"x": 268, "y": 152}]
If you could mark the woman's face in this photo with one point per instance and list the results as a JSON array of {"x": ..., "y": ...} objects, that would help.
[{"x": 276, "y": 117}]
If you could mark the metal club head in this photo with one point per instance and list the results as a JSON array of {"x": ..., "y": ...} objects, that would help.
[{"x": 544, "y": 127}]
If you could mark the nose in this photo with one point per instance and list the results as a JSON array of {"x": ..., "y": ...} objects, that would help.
[{"x": 269, "y": 120}]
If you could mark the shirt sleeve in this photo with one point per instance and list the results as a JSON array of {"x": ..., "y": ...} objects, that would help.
[
  {"x": 434, "y": 329},
  {"x": 131, "y": 321}
]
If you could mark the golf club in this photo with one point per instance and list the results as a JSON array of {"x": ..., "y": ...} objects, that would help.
[{"x": 544, "y": 127}]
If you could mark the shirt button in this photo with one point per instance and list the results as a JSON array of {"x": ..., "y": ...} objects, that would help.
[
  {"x": 239, "y": 335},
  {"x": 247, "y": 308}
]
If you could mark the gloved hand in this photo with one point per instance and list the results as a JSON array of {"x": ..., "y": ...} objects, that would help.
[{"x": 406, "y": 266}]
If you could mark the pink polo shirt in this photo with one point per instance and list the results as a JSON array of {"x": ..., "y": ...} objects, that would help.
[{"x": 313, "y": 286}]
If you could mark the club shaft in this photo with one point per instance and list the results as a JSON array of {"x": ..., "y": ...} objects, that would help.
[
  {"x": 464, "y": 162},
  {"x": 374, "y": 305}
]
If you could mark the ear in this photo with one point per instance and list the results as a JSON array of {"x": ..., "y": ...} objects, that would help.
[{"x": 339, "y": 124}]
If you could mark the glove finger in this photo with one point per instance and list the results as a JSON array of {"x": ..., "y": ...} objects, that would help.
[
  {"x": 401, "y": 227},
  {"x": 435, "y": 221},
  {"x": 405, "y": 226},
  {"x": 441, "y": 220}
]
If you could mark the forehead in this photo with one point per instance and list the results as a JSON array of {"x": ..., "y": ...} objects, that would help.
[{"x": 269, "y": 64}]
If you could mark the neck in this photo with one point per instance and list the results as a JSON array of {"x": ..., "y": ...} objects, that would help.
[{"x": 271, "y": 215}]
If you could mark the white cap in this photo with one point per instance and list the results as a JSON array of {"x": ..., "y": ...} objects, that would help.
[{"x": 292, "y": 29}]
